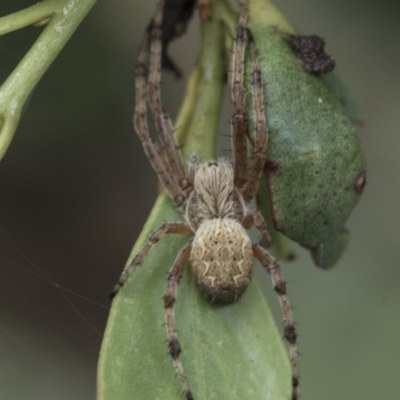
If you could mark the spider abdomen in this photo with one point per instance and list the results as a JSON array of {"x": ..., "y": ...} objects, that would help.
[{"x": 221, "y": 258}]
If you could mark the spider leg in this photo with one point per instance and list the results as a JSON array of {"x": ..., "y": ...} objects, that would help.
[
  {"x": 237, "y": 93},
  {"x": 150, "y": 146},
  {"x": 178, "y": 228},
  {"x": 162, "y": 120},
  {"x": 174, "y": 277},
  {"x": 260, "y": 127},
  {"x": 271, "y": 266},
  {"x": 254, "y": 217}
]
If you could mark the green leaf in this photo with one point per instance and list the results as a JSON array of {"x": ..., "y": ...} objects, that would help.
[
  {"x": 233, "y": 352},
  {"x": 315, "y": 161}
]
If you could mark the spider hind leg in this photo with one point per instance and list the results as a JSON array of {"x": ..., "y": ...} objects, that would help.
[
  {"x": 175, "y": 350},
  {"x": 271, "y": 266}
]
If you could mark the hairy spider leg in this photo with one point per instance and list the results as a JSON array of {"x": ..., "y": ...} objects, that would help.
[
  {"x": 254, "y": 217},
  {"x": 164, "y": 170},
  {"x": 239, "y": 126},
  {"x": 253, "y": 176},
  {"x": 177, "y": 228},
  {"x": 174, "y": 277},
  {"x": 163, "y": 122},
  {"x": 279, "y": 285},
  {"x": 260, "y": 127}
]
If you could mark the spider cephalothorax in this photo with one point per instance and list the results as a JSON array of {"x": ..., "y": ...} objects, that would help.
[{"x": 213, "y": 197}]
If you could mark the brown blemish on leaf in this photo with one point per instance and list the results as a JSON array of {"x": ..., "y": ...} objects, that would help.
[
  {"x": 271, "y": 166},
  {"x": 310, "y": 51}
]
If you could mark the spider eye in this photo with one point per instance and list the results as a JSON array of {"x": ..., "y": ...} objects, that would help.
[
  {"x": 184, "y": 183},
  {"x": 179, "y": 199}
]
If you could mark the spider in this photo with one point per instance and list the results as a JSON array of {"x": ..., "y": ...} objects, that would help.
[{"x": 213, "y": 196}]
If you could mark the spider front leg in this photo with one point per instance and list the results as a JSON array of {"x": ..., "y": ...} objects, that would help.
[
  {"x": 150, "y": 146},
  {"x": 240, "y": 130},
  {"x": 169, "y": 167},
  {"x": 163, "y": 122},
  {"x": 247, "y": 178},
  {"x": 174, "y": 277},
  {"x": 279, "y": 285},
  {"x": 178, "y": 228},
  {"x": 260, "y": 127}
]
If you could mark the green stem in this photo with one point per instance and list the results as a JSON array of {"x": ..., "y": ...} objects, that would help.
[
  {"x": 62, "y": 18},
  {"x": 198, "y": 119}
]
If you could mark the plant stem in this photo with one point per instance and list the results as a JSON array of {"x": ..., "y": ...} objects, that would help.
[{"x": 62, "y": 17}]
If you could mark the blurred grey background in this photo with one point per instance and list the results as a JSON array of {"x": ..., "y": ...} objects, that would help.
[{"x": 75, "y": 190}]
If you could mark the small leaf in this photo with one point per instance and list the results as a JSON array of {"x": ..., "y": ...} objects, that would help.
[{"x": 314, "y": 156}]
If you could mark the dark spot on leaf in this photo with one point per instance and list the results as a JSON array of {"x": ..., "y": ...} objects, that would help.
[
  {"x": 310, "y": 51},
  {"x": 271, "y": 166},
  {"x": 290, "y": 256}
]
